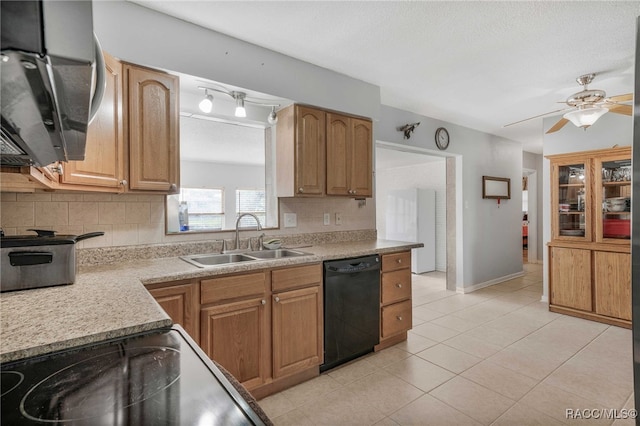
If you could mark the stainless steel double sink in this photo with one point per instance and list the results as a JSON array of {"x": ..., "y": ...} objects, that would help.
[{"x": 205, "y": 260}]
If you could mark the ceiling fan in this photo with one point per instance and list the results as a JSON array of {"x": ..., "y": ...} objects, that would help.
[{"x": 587, "y": 106}]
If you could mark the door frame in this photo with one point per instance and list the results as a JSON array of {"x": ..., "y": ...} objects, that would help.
[{"x": 454, "y": 202}]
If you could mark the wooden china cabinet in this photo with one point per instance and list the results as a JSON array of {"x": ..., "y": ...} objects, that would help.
[{"x": 590, "y": 250}]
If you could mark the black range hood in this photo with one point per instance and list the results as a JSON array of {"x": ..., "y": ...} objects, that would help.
[{"x": 50, "y": 65}]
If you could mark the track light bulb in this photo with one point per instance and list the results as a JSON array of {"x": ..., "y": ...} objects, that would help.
[
  {"x": 240, "y": 111},
  {"x": 206, "y": 105},
  {"x": 272, "y": 118}
]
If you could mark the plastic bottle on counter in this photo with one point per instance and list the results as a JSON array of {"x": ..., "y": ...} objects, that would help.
[{"x": 183, "y": 216}]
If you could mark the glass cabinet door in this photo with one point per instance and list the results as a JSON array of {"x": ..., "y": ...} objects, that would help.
[
  {"x": 613, "y": 200},
  {"x": 571, "y": 202}
]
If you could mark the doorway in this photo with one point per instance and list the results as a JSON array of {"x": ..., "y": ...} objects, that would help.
[
  {"x": 399, "y": 167},
  {"x": 529, "y": 216}
]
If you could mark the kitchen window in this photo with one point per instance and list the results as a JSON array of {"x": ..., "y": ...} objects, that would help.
[
  {"x": 251, "y": 201},
  {"x": 205, "y": 207}
]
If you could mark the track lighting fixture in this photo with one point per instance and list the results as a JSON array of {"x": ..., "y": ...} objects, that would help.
[
  {"x": 239, "y": 97},
  {"x": 206, "y": 105}
]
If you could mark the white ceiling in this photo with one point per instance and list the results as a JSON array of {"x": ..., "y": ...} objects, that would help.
[{"x": 477, "y": 64}]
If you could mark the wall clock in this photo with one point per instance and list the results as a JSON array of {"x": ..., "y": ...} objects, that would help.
[{"x": 442, "y": 138}]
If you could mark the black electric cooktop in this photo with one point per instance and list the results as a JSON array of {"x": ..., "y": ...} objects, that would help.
[{"x": 160, "y": 378}]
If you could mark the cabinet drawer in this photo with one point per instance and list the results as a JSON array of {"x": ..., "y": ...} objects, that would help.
[
  {"x": 396, "y": 286},
  {"x": 396, "y": 318},
  {"x": 300, "y": 276},
  {"x": 392, "y": 262},
  {"x": 234, "y": 287}
]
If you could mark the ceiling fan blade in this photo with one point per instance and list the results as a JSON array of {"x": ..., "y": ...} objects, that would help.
[
  {"x": 620, "y": 109},
  {"x": 559, "y": 125},
  {"x": 537, "y": 116},
  {"x": 621, "y": 98}
]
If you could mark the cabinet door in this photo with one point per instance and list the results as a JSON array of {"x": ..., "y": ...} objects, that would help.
[
  {"x": 571, "y": 278},
  {"x": 571, "y": 200},
  {"x": 612, "y": 283},
  {"x": 236, "y": 335},
  {"x": 153, "y": 130},
  {"x": 361, "y": 158},
  {"x": 309, "y": 151},
  {"x": 103, "y": 164},
  {"x": 612, "y": 207},
  {"x": 339, "y": 154},
  {"x": 297, "y": 330},
  {"x": 180, "y": 302}
]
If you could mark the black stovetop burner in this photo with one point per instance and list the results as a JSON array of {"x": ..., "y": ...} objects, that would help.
[{"x": 150, "y": 379}]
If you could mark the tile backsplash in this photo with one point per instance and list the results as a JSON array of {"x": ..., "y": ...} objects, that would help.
[{"x": 129, "y": 219}]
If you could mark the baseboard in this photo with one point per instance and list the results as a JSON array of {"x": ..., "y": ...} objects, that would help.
[
  {"x": 489, "y": 283},
  {"x": 544, "y": 299}
]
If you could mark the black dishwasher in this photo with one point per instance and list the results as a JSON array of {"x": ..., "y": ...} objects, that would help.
[{"x": 351, "y": 309}]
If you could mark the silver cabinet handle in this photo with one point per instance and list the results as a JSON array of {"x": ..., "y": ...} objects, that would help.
[
  {"x": 123, "y": 182},
  {"x": 277, "y": 299},
  {"x": 399, "y": 260},
  {"x": 173, "y": 187},
  {"x": 399, "y": 285},
  {"x": 301, "y": 189},
  {"x": 399, "y": 318},
  {"x": 264, "y": 302}
]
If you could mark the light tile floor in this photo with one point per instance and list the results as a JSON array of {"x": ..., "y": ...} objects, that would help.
[{"x": 496, "y": 356}]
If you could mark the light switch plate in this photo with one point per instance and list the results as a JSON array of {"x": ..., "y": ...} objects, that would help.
[
  {"x": 338, "y": 218},
  {"x": 290, "y": 220},
  {"x": 327, "y": 219}
]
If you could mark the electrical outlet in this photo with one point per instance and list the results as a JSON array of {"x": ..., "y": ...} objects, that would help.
[
  {"x": 327, "y": 218},
  {"x": 290, "y": 220},
  {"x": 338, "y": 218}
]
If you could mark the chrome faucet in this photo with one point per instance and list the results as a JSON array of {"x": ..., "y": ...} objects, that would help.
[{"x": 258, "y": 227}]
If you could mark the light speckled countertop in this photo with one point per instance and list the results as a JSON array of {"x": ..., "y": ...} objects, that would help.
[{"x": 109, "y": 301}]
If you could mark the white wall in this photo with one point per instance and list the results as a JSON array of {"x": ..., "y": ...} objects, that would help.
[
  {"x": 143, "y": 36},
  {"x": 491, "y": 234},
  {"x": 430, "y": 175},
  {"x": 610, "y": 130}
]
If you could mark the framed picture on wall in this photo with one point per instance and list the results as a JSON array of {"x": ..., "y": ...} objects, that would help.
[{"x": 496, "y": 188}]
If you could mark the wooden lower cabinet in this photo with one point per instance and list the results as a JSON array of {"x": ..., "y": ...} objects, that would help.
[
  {"x": 395, "y": 298},
  {"x": 180, "y": 302},
  {"x": 612, "y": 284},
  {"x": 297, "y": 331},
  {"x": 264, "y": 327},
  {"x": 591, "y": 284},
  {"x": 236, "y": 336},
  {"x": 571, "y": 278}
]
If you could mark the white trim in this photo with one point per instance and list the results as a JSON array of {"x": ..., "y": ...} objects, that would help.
[
  {"x": 544, "y": 299},
  {"x": 464, "y": 290}
]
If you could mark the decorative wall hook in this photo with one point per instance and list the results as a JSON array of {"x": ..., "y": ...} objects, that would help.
[{"x": 408, "y": 129}]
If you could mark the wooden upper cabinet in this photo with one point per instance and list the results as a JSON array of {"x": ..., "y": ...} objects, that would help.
[
  {"x": 362, "y": 158},
  {"x": 309, "y": 151},
  {"x": 339, "y": 148},
  {"x": 349, "y": 156},
  {"x": 103, "y": 165},
  {"x": 152, "y": 118},
  {"x": 323, "y": 153}
]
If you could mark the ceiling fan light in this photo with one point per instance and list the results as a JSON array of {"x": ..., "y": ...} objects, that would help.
[
  {"x": 206, "y": 105},
  {"x": 240, "y": 110},
  {"x": 585, "y": 117}
]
